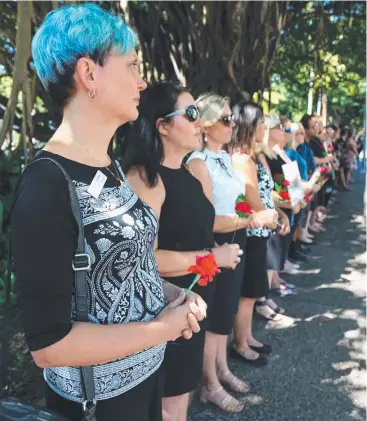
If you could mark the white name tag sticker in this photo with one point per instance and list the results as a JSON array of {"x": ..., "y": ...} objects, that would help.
[{"x": 97, "y": 184}]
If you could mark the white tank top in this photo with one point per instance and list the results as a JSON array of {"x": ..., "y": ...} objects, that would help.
[{"x": 227, "y": 183}]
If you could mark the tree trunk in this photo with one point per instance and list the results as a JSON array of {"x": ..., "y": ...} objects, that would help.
[
  {"x": 324, "y": 109},
  {"x": 319, "y": 101},
  {"x": 23, "y": 48},
  {"x": 310, "y": 93}
]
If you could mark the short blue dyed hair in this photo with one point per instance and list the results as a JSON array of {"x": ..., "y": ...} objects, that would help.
[{"x": 72, "y": 32}]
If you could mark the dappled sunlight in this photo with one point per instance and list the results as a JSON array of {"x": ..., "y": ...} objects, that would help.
[
  {"x": 317, "y": 370},
  {"x": 285, "y": 323},
  {"x": 253, "y": 399},
  {"x": 310, "y": 271}
]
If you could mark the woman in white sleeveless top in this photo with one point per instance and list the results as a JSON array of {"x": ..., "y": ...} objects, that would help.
[{"x": 222, "y": 185}]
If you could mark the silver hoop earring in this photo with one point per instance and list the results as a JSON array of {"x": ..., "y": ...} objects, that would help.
[{"x": 92, "y": 94}]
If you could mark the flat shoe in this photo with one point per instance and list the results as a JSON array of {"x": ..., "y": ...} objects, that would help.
[
  {"x": 306, "y": 241},
  {"x": 265, "y": 349},
  {"x": 259, "y": 362},
  {"x": 282, "y": 292},
  {"x": 288, "y": 285}
]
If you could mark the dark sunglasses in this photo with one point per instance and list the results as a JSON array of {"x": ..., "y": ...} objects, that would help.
[
  {"x": 227, "y": 120},
  {"x": 191, "y": 113}
]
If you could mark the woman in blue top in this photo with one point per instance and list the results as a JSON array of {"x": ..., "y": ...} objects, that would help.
[{"x": 303, "y": 160}]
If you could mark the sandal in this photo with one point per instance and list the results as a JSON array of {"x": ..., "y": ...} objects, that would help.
[
  {"x": 233, "y": 382},
  {"x": 282, "y": 292},
  {"x": 287, "y": 285},
  {"x": 275, "y": 307},
  {"x": 260, "y": 309},
  {"x": 221, "y": 399}
]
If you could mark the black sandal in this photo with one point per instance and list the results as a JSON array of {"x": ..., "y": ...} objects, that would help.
[
  {"x": 263, "y": 304},
  {"x": 265, "y": 349},
  {"x": 277, "y": 309}
]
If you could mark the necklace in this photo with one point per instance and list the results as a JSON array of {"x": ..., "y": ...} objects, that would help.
[{"x": 96, "y": 159}]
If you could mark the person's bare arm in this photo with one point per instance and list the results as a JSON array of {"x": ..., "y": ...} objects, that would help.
[
  {"x": 175, "y": 263},
  {"x": 353, "y": 147},
  {"x": 323, "y": 161},
  {"x": 91, "y": 344},
  {"x": 252, "y": 186}
]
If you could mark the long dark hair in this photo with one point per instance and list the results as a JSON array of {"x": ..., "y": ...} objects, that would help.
[
  {"x": 247, "y": 116},
  {"x": 143, "y": 148}
]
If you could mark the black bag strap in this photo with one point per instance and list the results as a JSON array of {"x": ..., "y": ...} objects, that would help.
[{"x": 81, "y": 264}]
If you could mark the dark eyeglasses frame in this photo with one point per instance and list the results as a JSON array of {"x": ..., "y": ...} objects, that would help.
[
  {"x": 191, "y": 113},
  {"x": 227, "y": 120}
]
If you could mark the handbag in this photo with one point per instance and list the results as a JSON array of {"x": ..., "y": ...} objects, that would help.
[{"x": 15, "y": 410}]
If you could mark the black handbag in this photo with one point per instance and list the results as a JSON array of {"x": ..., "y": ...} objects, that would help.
[{"x": 13, "y": 409}]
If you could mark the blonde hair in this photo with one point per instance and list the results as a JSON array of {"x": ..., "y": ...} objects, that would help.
[
  {"x": 272, "y": 121},
  {"x": 294, "y": 129},
  {"x": 211, "y": 106}
]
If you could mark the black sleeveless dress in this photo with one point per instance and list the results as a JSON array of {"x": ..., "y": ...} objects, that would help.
[{"x": 186, "y": 224}]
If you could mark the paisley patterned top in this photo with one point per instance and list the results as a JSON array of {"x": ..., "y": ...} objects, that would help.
[
  {"x": 266, "y": 187},
  {"x": 123, "y": 282}
]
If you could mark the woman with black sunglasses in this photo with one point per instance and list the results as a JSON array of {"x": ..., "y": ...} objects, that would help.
[{"x": 168, "y": 128}]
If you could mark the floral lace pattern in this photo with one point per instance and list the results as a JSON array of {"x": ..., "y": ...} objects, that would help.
[{"x": 266, "y": 187}]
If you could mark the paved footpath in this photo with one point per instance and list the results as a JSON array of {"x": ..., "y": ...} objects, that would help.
[{"x": 317, "y": 371}]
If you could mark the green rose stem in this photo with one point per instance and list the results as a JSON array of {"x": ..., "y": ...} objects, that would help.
[
  {"x": 197, "y": 277},
  {"x": 235, "y": 231}
]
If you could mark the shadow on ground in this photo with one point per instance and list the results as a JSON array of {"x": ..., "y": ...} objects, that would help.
[{"x": 317, "y": 371}]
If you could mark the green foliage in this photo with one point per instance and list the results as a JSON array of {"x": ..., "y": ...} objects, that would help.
[{"x": 323, "y": 46}]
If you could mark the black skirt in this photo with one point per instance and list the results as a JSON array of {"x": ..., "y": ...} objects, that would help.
[
  {"x": 255, "y": 282},
  {"x": 142, "y": 403},
  {"x": 183, "y": 364},
  {"x": 183, "y": 360},
  {"x": 228, "y": 287}
]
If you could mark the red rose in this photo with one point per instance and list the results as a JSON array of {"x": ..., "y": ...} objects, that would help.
[
  {"x": 243, "y": 207},
  {"x": 323, "y": 170},
  {"x": 206, "y": 267},
  {"x": 307, "y": 198},
  {"x": 284, "y": 195},
  {"x": 286, "y": 183}
]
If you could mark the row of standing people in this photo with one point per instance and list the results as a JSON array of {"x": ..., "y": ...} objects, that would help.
[{"x": 145, "y": 224}]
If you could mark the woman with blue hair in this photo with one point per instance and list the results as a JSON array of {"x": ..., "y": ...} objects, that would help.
[{"x": 86, "y": 60}]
